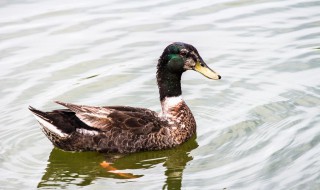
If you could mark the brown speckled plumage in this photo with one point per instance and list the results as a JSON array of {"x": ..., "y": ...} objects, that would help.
[{"x": 127, "y": 129}]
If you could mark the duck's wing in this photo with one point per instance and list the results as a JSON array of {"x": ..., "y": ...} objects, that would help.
[{"x": 136, "y": 120}]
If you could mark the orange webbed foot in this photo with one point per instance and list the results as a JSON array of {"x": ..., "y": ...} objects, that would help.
[{"x": 114, "y": 170}]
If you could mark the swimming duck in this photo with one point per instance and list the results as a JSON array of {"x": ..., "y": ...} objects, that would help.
[{"x": 124, "y": 129}]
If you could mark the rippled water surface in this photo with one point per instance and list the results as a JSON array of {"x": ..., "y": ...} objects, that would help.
[{"x": 258, "y": 127}]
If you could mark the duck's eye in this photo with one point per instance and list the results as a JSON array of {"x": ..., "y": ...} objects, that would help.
[{"x": 183, "y": 53}]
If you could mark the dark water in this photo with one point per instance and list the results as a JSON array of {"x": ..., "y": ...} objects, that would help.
[{"x": 258, "y": 128}]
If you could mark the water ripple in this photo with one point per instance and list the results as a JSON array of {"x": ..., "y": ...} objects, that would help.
[{"x": 257, "y": 128}]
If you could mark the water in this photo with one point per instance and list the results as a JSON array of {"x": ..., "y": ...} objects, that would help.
[{"x": 258, "y": 127}]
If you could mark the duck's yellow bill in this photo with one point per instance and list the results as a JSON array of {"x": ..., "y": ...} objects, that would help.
[{"x": 206, "y": 71}]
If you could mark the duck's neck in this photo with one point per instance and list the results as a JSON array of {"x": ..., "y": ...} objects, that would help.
[{"x": 169, "y": 83}]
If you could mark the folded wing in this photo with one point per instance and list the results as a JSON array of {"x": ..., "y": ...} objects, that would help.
[{"x": 135, "y": 120}]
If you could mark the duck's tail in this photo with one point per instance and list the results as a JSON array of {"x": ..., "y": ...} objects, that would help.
[{"x": 52, "y": 126}]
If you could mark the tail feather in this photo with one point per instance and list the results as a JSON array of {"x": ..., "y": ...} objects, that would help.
[
  {"x": 50, "y": 124},
  {"x": 39, "y": 113},
  {"x": 60, "y": 125}
]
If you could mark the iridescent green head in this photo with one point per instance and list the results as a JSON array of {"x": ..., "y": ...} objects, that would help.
[{"x": 179, "y": 57}]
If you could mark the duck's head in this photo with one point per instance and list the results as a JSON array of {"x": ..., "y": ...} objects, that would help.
[{"x": 179, "y": 57}]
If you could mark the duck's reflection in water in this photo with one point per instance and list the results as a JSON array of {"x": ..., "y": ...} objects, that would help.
[{"x": 66, "y": 169}]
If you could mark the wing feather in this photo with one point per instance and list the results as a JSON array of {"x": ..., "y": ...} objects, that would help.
[{"x": 136, "y": 120}]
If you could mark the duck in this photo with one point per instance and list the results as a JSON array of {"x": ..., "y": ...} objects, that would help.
[{"x": 125, "y": 129}]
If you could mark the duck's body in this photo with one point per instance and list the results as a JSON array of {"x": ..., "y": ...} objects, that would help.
[
  {"x": 118, "y": 128},
  {"x": 126, "y": 129}
]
